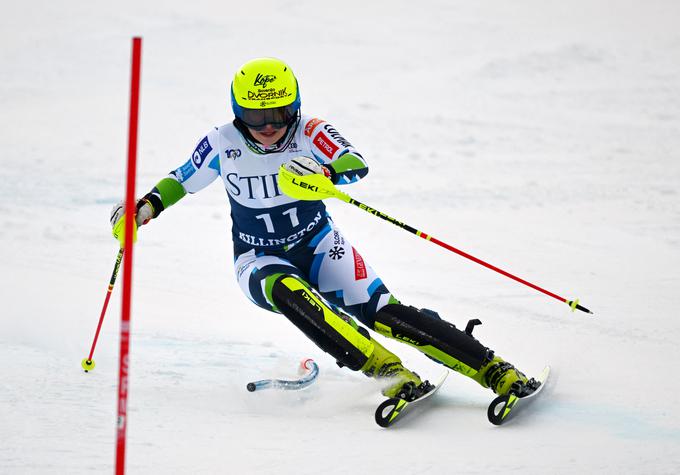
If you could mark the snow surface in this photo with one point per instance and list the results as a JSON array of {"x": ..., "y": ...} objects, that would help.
[{"x": 539, "y": 135}]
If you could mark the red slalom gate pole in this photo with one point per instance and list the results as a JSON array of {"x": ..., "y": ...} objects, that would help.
[{"x": 127, "y": 257}]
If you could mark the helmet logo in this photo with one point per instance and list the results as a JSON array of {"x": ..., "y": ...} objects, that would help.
[
  {"x": 268, "y": 95},
  {"x": 264, "y": 83},
  {"x": 263, "y": 79}
]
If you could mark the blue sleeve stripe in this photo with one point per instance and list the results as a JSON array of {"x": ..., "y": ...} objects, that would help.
[
  {"x": 350, "y": 177},
  {"x": 318, "y": 158},
  {"x": 185, "y": 172},
  {"x": 314, "y": 270},
  {"x": 374, "y": 286},
  {"x": 215, "y": 164}
]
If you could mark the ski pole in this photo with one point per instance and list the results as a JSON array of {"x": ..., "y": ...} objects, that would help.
[
  {"x": 318, "y": 187},
  {"x": 88, "y": 363}
]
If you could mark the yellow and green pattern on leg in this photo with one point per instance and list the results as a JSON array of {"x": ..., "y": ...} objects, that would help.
[
  {"x": 429, "y": 350},
  {"x": 348, "y": 331}
]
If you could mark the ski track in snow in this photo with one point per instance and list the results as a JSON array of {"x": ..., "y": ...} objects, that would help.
[{"x": 540, "y": 136}]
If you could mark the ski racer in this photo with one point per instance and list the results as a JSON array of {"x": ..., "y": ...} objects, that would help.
[{"x": 291, "y": 258}]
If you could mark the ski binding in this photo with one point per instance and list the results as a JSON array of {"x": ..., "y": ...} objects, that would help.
[
  {"x": 504, "y": 408},
  {"x": 393, "y": 409}
]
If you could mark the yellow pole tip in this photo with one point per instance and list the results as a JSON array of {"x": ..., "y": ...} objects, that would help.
[
  {"x": 87, "y": 365},
  {"x": 573, "y": 305}
]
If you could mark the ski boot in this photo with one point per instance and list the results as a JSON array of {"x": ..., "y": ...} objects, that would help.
[
  {"x": 402, "y": 383},
  {"x": 503, "y": 378}
]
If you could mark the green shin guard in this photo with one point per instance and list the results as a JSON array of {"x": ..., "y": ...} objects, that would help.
[
  {"x": 339, "y": 337},
  {"x": 437, "y": 338}
]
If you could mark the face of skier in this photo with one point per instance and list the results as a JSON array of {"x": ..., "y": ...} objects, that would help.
[
  {"x": 268, "y": 126},
  {"x": 268, "y": 135}
]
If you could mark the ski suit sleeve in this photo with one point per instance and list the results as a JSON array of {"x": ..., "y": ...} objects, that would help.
[
  {"x": 199, "y": 171},
  {"x": 332, "y": 150}
]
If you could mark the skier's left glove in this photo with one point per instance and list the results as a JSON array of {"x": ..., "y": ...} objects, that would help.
[
  {"x": 306, "y": 166},
  {"x": 143, "y": 215}
]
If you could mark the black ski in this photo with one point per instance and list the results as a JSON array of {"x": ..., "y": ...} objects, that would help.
[
  {"x": 504, "y": 408},
  {"x": 393, "y": 409}
]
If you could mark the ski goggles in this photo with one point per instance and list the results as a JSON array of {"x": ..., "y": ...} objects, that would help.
[{"x": 277, "y": 117}]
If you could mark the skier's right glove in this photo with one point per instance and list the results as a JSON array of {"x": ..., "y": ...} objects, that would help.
[
  {"x": 143, "y": 215},
  {"x": 306, "y": 166}
]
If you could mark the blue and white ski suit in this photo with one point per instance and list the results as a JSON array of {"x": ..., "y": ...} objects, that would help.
[{"x": 274, "y": 233}]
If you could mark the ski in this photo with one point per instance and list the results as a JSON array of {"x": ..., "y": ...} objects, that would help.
[
  {"x": 504, "y": 408},
  {"x": 393, "y": 409}
]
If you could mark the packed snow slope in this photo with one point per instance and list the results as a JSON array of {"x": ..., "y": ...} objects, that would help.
[{"x": 542, "y": 136}]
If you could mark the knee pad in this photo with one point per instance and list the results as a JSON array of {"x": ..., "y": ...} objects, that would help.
[
  {"x": 338, "y": 336},
  {"x": 435, "y": 337}
]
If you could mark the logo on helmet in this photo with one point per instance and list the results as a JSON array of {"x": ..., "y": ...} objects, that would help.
[
  {"x": 263, "y": 79},
  {"x": 269, "y": 94}
]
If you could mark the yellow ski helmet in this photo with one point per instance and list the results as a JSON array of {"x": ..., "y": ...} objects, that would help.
[{"x": 265, "y": 91}]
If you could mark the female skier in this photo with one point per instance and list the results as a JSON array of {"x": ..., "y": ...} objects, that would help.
[{"x": 289, "y": 256}]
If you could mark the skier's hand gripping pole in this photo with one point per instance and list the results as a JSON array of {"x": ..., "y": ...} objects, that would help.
[
  {"x": 318, "y": 187},
  {"x": 144, "y": 213}
]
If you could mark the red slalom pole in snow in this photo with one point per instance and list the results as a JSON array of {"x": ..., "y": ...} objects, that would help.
[{"x": 127, "y": 260}]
